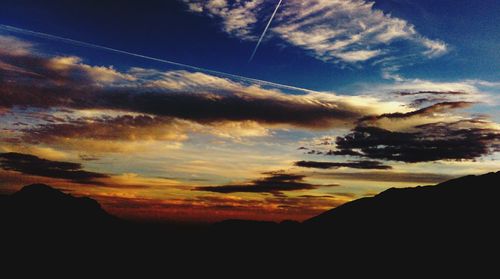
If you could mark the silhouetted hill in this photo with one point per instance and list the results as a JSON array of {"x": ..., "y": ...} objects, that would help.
[
  {"x": 452, "y": 220},
  {"x": 462, "y": 207},
  {"x": 465, "y": 205},
  {"x": 469, "y": 200},
  {"x": 44, "y": 207}
]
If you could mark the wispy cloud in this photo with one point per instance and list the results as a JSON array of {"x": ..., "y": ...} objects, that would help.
[
  {"x": 421, "y": 92},
  {"x": 347, "y": 31},
  {"x": 239, "y": 17}
]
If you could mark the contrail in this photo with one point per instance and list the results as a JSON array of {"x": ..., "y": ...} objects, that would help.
[
  {"x": 89, "y": 45},
  {"x": 265, "y": 31}
]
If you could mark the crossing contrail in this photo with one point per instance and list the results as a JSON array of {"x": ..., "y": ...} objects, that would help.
[
  {"x": 265, "y": 31},
  {"x": 164, "y": 61}
]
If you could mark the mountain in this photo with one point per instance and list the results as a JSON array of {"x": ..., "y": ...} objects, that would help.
[
  {"x": 43, "y": 207},
  {"x": 455, "y": 220},
  {"x": 459, "y": 207},
  {"x": 467, "y": 205}
]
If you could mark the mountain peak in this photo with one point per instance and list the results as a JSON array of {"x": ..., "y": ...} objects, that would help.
[
  {"x": 39, "y": 190},
  {"x": 43, "y": 204}
]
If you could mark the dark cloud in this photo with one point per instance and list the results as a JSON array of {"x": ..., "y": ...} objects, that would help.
[
  {"x": 198, "y": 107},
  {"x": 314, "y": 196},
  {"x": 422, "y": 101},
  {"x": 466, "y": 139},
  {"x": 407, "y": 93},
  {"x": 33, "y": 165},
  {"x": 49, "y": 82},
  {"x": 207, "y": 108},
  {"x": 424, "y": 97},
  {"x": 274, "y": 183},
  {"x": 85, "y": 157},
  {"x": 344, "y": 152},
  {"x": 387, "y": 176},
  {"x": 125, "y": 127},
  {"x": 430, "y": 142},
  {"x": 435, "y": 108},
  {"x": 350, "y": 164}
]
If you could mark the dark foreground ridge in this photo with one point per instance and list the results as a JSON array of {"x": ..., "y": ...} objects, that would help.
[
  {"x": 43, "y": 206},
  {"x": 459, "y": 204},
  {"x": 458, "y": 214},
  {"x": 469, "y": 203}
]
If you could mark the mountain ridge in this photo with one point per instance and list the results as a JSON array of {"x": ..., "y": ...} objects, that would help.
[
  {"x": 461, "y": 203},
  {"x": 464, "y": 227},
  {"x": 454, "y": 200},
  {"x": 42, "y": 206}
]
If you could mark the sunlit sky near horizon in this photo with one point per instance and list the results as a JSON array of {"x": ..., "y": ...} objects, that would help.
[{"x": 343, "y": 99}]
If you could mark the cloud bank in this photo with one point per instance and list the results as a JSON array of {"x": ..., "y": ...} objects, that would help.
[
  {"x": 430, "y": 142},
  {"x": 433, "y": 133},
  {"x": 29, "y": 79}
]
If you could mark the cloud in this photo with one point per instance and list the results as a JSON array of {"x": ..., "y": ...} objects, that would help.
[
  {"x": 73, "y": 66},
  {"x": 40, "y": 151},
  {"x": 347, "y": 31},
  {"x": 66, "y": 82},
  {"x": 427, "y": 111},
  {"x": 14, "y": 47},
  {"x": 107, "y": 131},
  {"x": 26, "y": 64},
  {"x": 123, "y": 127},
  {"x": 429, "y": 92},
  {"x": 307, "y": 112},
  {"x": 336, "y": 165},
  {"x": 420, "y": 98},
  {"x": 430, "y": 142},
  {"x": 275, "y": 183},
  {"x": 428, "y": 134},
  {"x": 308, "y": 204},
  {"x": 238, "y": 16},
  {"x": 432, "y": 93},
  {"x": 440, "y": 112},
  {"x": 413, "y": 86},
  {"x": 387, "y": 176},
  {"x": 33, "y": 165},
  {"x": 434, "y": 47},
  {"x": 358, "y": 55}
]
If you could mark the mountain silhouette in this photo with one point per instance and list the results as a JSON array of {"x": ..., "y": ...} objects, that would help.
[
  {"x": 43, "y": 207},
  {"x": 454, "y": 220},
  {"x": 466, "y": 205},
  {"x": 462, "y": 207}
]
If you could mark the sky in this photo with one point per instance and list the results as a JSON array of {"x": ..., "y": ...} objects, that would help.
[{"x": 200, "y": 111}]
